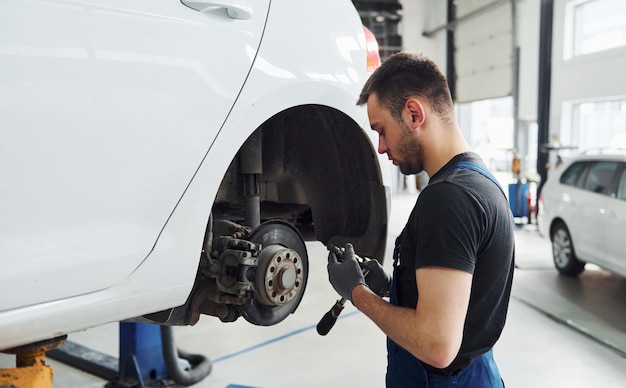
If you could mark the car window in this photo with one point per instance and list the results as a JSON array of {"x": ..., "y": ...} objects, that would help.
[
  {"x": 600, "y": 176},
  {"x": 572, "y": 174},
  {"x": 621, "y": 188}
]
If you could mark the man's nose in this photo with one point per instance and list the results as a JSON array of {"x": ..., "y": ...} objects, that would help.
[{"x": 382, "y": 146}]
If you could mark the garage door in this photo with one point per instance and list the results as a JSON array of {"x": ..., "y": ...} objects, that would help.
[{"x": 483, "y": 47}]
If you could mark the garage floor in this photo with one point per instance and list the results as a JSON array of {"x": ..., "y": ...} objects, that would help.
[{"x": 560, "y": 332}]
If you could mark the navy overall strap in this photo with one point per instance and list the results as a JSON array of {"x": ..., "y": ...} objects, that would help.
[
  {"x": 474, "y": 167},
  {"x": 482, "y": 171},
  {"x": 461, "y": 164}
]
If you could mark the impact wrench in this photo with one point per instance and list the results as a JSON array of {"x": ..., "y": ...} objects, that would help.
[{"x": 328, "y": 320}]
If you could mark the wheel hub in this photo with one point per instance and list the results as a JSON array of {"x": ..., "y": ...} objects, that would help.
[
  {"x": 561, "y": 249},
  {"x": 279, "y": 275}
]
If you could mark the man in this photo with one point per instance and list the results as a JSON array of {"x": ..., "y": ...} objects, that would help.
[{"x": 453, "y": 262}]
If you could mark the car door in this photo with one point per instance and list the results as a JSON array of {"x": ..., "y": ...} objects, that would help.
[
  {"x": 590, "y": 239},
  {"x": 572, "y": 198},
  {"x": 616, "y": 225},
  {"x": 107, "y": 108}
]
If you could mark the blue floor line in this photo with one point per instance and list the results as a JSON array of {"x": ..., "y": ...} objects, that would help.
[{"x": 279, "y": 338}]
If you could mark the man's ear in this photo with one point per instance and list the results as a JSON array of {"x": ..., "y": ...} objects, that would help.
[{"x": 415, "y": 110}]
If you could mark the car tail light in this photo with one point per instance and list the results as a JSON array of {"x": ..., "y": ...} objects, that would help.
[{"x": 371, "y": 47}]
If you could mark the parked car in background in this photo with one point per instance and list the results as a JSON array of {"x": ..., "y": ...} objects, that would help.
[
  {"x": 164, "y": 159},
  {"x": 582, "y": 209}
]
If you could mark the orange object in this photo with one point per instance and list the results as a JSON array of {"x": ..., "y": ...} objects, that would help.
[
  {"x": 373, "y": 55},
  {"x": 31, "y": 370}
]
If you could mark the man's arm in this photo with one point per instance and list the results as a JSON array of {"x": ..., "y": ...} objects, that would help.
[{"x": 434, "y": 330}]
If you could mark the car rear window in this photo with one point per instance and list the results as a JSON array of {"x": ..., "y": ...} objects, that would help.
[
  {"x": 596, "y": 176},
  {"x": 600, "y": 177},
  {"x": 572, "y": 174}
]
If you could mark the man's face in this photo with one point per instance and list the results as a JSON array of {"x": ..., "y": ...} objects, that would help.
[{"x": 397, "y": 139}]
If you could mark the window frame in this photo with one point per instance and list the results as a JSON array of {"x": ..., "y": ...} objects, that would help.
[
  {"x": 572, "y": 31},
  {"x": 620, "y": 182}
]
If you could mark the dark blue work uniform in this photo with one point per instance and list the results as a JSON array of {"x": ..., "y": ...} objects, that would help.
[{"x": 461, "y": 220}]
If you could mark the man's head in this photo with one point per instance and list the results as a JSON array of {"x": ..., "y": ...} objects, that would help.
[
  {"x": 409, "y": 105},
  {"x": 405, "y": 75}
]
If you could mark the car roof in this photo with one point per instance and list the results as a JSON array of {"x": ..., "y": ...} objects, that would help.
[{"x": 598, "y": 154}]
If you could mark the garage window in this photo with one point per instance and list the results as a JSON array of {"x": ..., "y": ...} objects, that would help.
[
  {"x": 593, "y": 26},
  {"x": 595, "y": 124}
]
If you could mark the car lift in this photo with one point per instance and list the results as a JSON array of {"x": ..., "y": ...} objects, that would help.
[{"x": 147, "y": 358}]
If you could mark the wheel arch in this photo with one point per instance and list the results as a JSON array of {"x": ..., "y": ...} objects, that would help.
[
  {"x": 319, "y": 171},
  {"x": 572, "y": 265},
  {"x": 556, "y": 221}
]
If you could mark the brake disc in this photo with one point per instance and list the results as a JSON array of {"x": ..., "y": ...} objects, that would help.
[{"x": 281, "y": 275}]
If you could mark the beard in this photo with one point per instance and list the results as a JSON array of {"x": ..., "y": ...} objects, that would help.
[{"x": 410, "y": 152}]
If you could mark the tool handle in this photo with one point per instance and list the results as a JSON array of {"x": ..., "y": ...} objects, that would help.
[
  {"x": 328, "y": 320},
  {"x": 339, "y": 253}
]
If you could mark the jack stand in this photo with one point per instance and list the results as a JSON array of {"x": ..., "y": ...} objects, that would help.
[{"x": 31, "y": 370}]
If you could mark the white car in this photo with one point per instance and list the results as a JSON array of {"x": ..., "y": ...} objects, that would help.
[
  {"x": 582, "y": 209},
  {"x": 162, "y": 159}
]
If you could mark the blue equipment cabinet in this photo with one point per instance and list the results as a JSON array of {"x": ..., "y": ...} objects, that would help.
[{"x": 518, "y": 198}]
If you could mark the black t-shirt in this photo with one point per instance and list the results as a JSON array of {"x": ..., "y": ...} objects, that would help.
[{"x": 462, "y": 220}]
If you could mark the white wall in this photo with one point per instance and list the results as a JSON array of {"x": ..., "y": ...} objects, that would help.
[
  {"x": 593, "y": 76},
  {"x": 528, "y": 13},
  {"x": 426, "y": 15},
  {"x": 420, "y": 16}
]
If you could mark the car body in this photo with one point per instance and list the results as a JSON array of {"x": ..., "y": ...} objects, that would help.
[
  {"x": 582, "y": 209},
  {"x": 159, "y": 159}
]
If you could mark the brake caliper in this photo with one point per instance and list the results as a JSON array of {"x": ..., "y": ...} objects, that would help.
[
  {"x": 260, "y": 274},
  {"x": 233, "y": 263}
]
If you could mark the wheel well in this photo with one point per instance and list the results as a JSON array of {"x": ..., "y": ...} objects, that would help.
[
  {"x": 554, "y": 223},
  {"x": 318, "y": 170}
]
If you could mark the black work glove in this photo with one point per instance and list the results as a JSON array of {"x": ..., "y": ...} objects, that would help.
[
  {"x": 346, "y": 274},
  {"x": 376, "y": 279}
]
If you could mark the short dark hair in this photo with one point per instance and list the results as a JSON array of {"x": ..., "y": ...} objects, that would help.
[{"x": 404, "y": 75}]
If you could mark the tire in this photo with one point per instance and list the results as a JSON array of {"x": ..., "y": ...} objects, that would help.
[{"x": 563, "y": 252}]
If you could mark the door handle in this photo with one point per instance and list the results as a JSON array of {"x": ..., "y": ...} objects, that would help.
[{"x": 236, "y": 9}]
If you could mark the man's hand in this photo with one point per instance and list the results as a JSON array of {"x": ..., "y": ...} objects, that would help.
[
  {"x": 377, "y": 279},
  {"x": 346, "y": 274}
]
